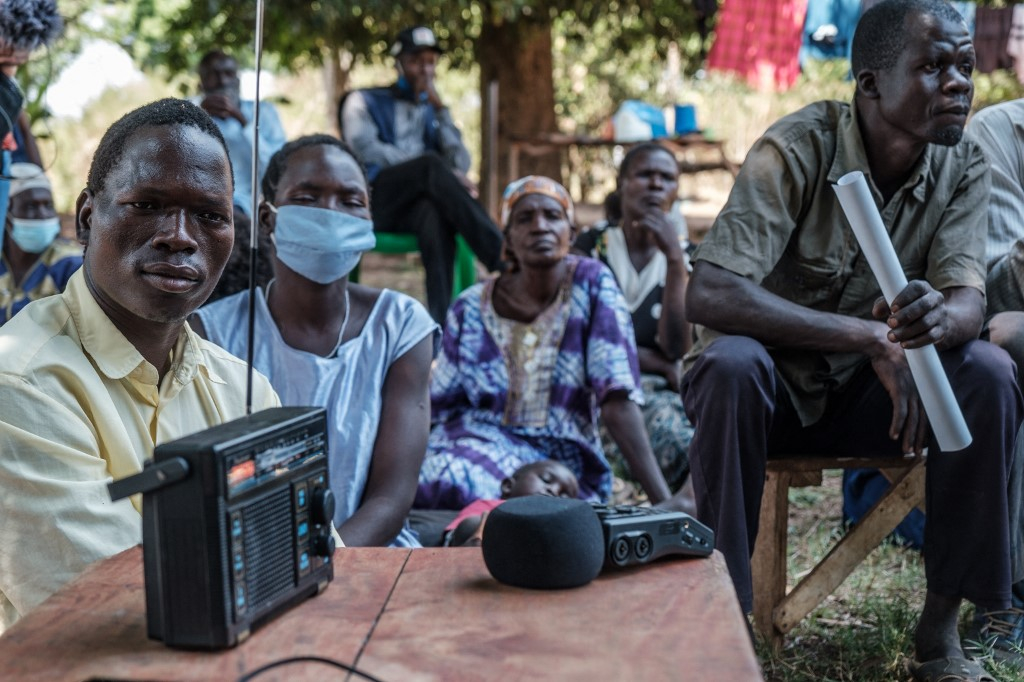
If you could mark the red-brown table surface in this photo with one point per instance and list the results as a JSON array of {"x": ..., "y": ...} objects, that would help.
[{"x": 426, "y": 614}]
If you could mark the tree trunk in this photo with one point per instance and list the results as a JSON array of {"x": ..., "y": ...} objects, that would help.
[
  {"x": 337, "y": 69},
  {"x": 517, "y": 57}
]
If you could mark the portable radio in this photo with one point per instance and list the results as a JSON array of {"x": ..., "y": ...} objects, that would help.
[{"x": 236, "y": 526}]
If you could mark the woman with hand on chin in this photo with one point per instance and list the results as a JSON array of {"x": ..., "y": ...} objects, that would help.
[
  {"x": 528, "y": 361},
  {"x": 641, "y": 246},
  {"x": 363, "y": 354}
]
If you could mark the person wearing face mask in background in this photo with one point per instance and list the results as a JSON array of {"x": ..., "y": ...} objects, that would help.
[
  {"x": 36, "y": 260},
  {"x": 362, "y": 353}
]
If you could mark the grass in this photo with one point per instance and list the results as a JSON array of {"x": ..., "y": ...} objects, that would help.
[{"x": 864, "y": 631}]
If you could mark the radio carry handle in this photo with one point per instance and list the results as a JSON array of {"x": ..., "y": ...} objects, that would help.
[{"x": 152, "y": 477}]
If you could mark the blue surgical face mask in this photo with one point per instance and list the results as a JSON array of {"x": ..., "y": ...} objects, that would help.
[
  {"x": 320, "y": 244},
  {"x": 33, "y": 236}
]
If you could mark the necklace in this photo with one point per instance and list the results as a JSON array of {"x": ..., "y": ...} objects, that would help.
[
  {"x": 344, "y": 320},
  {"x": 344, "y": 323}
]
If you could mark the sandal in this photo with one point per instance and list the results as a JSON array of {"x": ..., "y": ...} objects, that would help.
[{"x": 954, "y": 669}]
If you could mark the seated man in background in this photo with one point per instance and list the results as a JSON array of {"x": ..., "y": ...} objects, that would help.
[
  {"x": 221, "y": 98},
  {"x": 93, "y": 379},
  {"x": 798, "y": 353},
  {"x": 36, "y": 261},
  {"x": 413, "y": 153},
  {"x": 999, "y": 131}
]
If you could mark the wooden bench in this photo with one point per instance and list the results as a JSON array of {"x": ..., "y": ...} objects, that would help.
[{"x": 777, "y": 611}]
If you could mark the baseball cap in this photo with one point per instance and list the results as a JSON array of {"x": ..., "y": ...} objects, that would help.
[
  {"x": 415, "y": 39},
  {"x": 25, "y": 176}
]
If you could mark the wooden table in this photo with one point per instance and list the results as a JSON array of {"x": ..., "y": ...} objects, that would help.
[
  {"x": 682, "y": 146},
  {"x": 400, "y": 615}
]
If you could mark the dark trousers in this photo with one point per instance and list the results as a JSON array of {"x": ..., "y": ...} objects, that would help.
[
  {"x": 423, "y": 197},
  {"x": 742, "y": 415}
]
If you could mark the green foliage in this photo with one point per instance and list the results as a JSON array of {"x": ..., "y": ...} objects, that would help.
[
  {"x": 175, "y": 33},
  {"x": 995, "y": 87},
  {"x": 84, "y": 20},
  {"x": 67, "y": 148}
]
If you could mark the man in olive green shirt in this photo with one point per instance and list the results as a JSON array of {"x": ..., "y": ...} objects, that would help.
[{"x": 797, "y": 353}]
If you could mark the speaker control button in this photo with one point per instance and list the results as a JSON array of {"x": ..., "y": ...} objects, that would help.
[
  {"x": 323, "y": 506},
  {"x": 240, "y": 603},
  {"x": 323, "y": 545},
  {"x": 236, "y": 527}
]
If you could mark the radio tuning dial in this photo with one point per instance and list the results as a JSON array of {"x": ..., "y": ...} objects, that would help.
[
  {"x": 323, "y": 545},
  {"x": 323, "y": 506}
]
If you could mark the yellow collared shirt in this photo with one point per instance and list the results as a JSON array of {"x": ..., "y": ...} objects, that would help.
[{"x": 80, "y": 406}]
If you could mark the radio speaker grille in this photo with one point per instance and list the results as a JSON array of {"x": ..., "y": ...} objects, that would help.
[{"x": 269, "y": 548}]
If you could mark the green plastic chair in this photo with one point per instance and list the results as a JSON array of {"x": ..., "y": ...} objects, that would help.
[{"x": 404, "y": 242}]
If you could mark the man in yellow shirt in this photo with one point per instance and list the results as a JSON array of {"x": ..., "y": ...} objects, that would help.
[{"x": 92, "y": 379}]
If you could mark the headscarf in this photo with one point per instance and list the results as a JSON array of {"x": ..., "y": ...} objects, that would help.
[
  {"x": 25, "y": 176},
  {"x": 535, "y": 184}
]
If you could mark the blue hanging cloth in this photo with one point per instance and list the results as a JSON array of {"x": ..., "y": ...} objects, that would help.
[
  {"x": 5, "y": 185},
  {"x": 828, "y": 29}
]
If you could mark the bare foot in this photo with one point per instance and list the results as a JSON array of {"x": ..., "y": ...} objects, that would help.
[{"x": 683, "y": 500}]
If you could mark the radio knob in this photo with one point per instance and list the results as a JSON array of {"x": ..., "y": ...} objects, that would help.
[
  {"x": 323, "y": 506},
  {"x": 323, "y": 545}
]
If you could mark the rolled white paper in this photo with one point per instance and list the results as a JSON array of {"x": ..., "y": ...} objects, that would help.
[{"x": 932, "y": 384}]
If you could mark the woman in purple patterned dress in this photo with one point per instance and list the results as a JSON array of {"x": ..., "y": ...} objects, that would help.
[{"x": 528, "y": 362}]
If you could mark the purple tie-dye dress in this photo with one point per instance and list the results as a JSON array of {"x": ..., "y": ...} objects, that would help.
[{"x": 499, "y": 401}]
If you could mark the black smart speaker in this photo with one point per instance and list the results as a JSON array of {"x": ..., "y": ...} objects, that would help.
[{"x": 543, "y": 542}]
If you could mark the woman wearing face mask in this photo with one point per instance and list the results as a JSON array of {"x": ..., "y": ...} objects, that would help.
[
  {"x": 36, "y": 261},
  {"x": 363, "y": 354},
  {"x": 528, "y": 362}
]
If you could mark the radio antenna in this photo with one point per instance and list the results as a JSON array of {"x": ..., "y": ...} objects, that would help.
[{"x": 254, "y": 222}]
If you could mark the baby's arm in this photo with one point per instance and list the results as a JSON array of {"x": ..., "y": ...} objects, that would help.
[{"x": 469, "y": 532}]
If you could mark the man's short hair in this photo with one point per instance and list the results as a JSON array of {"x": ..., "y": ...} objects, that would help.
[
  {"x": 164, "y": 112},
  {"x": 279, "y": 161},
  {"x": 881, "y": 32}
]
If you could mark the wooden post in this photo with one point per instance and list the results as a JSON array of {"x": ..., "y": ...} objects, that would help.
[{"x": 491, "y": 191}]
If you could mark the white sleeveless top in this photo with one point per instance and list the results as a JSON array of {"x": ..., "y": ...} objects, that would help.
[{"x": 348, "y": 384}]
